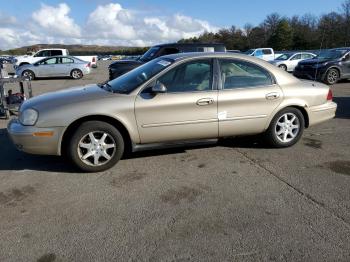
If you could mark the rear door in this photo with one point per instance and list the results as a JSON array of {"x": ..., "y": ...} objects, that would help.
[
  {"x": 188, "y": 110},
  {"x": 64, "y": 66},
  {"x": 247, "y": 96}
]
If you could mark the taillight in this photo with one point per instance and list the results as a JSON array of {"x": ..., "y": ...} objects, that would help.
[
  {"x": 330, "y": 95},
  {"x": 93, "y": 59}
]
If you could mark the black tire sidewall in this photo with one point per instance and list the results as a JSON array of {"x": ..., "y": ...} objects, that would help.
[
  {"x": 271, "y": 136},
  {"x": 84, "y": 129}
]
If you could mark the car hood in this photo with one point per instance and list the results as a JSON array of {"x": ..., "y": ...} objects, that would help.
[
  {"x": 71, "y": 96},
  {"x": 314, "y": 61}
]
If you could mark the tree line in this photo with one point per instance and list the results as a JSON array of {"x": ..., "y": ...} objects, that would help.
[{"x": 306, "y": 32}]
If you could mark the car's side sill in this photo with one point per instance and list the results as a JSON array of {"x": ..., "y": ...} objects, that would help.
[{"x": 176, "y": 144}]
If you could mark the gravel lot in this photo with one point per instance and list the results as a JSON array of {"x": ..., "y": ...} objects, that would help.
[{"x": 235, "y": 201}]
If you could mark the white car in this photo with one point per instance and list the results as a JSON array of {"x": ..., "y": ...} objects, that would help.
[
  {"x": 289, "y": 61},
  {"x": 266, "y": 54},
  {"x": 44, "y": 53}
]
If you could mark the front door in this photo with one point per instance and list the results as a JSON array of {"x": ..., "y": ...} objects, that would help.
[
  {"x": 187, "y": 110},
  {"x": 294, "y": 61},
  {"x": 46, "y": 67},
  {"x": 247, "y": 97}
]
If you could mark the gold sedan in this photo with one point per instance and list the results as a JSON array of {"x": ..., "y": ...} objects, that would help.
[{"x": 171, "y": 99}]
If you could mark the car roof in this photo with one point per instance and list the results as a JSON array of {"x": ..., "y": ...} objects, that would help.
[
  {"x": 62, "y": 56},
  {"x": 189, "y": 55},
  {"x": 188, "y": 44}
]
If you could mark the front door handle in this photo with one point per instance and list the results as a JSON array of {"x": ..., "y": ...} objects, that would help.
[
  {"x": 205, "y": 101},
  {"x": 272, "y": 96}
]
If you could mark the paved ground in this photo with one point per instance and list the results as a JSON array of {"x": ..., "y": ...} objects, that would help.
[{"x": 236, "y": 201}]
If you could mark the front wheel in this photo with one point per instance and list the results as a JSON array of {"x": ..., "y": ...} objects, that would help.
[
  {"x": 28, "y": 74},
  {"x": 332, "y": 76},
  {"x": 286, "y": 128},
  {"x": 96, "y": 146},
  {"x": 283, "y": 67},
  {"x": 76, "y": 74}
]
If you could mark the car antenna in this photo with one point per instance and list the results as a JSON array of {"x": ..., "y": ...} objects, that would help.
[{"x": 321, "y": 46}]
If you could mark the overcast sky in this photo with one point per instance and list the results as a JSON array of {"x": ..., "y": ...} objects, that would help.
[{"x": 135, "y": 22}]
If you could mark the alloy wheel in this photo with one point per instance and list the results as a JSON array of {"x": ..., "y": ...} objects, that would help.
[
  {"x": 287, "y": 127},
  {"x": 76, "y": 74},
  {"x": 332, "y": 76},
  {"x": 96, "y": 148}
]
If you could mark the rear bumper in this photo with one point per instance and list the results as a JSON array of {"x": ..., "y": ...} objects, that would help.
[
  {"x": 27, "y": 139},
  {"x": 322, "y": 113}
]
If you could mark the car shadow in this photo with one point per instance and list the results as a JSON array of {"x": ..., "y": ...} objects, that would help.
[
  {"x": 13, "y": 160},
  {"x": 343, "y": 110}
]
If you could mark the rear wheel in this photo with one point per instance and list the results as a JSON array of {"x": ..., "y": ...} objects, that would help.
[
  {"x": 286, "y": 128},
  {"x": 76, "y": 74},
  {"x": 332, "y": 76},
  {"x": 28, "y": 74},
  {"x": 95, "y": 146}
]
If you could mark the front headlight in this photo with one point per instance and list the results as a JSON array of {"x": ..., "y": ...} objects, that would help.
[{"x": 28, "y": 117}]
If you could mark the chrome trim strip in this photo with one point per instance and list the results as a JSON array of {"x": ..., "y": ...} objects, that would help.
[
  {"x": 180, "y": 123},
  {"x": 242, "y": 118}
]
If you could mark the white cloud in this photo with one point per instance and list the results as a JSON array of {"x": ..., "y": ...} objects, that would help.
[
  {"x": 55, "y": 21},
  {"x": 108, "y": 24}
]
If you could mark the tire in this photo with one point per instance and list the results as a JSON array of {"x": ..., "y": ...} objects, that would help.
[
  {"x": 275, "y": 134},
  {"x": 29, "y": 74},
  {"x": 76, "y": 74},
  {"x": 283, "y": 67},
  {"x": 95, "y": 140},
  {"x": 332, "y": 76}
]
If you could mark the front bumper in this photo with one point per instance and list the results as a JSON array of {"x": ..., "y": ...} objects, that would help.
[
  {"x": 35, "y": 140},
  {"x": 321, "y": 113}
]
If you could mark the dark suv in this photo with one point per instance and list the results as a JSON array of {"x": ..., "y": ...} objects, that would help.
[
  {"x": 121, "y": 67},
  {"x": 329, "y": 66}
]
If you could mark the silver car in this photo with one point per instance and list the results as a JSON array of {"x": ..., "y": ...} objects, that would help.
[
  {"x": 56, "y": 66},
  {"x": 170, "y": 99},
  {"x": 289, "y": 61}
]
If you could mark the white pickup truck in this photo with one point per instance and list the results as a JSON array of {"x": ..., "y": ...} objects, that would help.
[
  {"x": 266, "y": 54},
  {"x": 43, "y": 53}
]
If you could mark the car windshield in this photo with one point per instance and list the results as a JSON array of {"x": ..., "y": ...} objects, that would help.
[
  {"x": 332, "y": 54},
  {"x": 249, "y": 52},
  {"x": 131, "y": 80},
  {"x": 284, "y": 57},
  {"x": 150, "y": 54}
]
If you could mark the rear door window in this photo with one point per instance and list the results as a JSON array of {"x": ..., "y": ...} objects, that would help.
[
  {"x": 267, "y": 51},
  {"x": 56, "y": 52},
  {"x": 241, "y": 74}
]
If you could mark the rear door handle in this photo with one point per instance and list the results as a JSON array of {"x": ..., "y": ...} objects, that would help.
[
  {"x": 205, "y": 101},
  {"x": 272, "y": 96}
]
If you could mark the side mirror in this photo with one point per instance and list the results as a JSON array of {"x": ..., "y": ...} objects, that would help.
[{"x": 159, "y": 88}]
